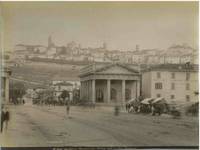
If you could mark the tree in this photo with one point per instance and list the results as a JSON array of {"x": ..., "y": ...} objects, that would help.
[{"x": 17, "y": 90}]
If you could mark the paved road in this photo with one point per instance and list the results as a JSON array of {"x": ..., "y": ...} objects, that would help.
[{"x": 50, "y": 126}]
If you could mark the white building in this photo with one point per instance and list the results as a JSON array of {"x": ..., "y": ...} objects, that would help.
[
  {"x": 60, "y": 86},
  {"x": 172, "y": 81},
  {"x": 20, "y": 47}
]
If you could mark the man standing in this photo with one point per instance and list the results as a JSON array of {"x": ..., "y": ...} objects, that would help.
[
  {"x": 6, "y": 117},
  {"x": 2, "y": 119}
]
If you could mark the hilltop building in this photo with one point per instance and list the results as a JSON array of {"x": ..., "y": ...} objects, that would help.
[{"x": 50, "y": 43}]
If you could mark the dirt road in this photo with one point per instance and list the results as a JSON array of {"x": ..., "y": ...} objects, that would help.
[{"x": 50, "y": 126}]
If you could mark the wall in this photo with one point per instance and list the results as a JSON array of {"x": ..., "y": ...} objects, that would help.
[
  {"x": 132, "y": 86},
  {"x": 146, "y": 84}
]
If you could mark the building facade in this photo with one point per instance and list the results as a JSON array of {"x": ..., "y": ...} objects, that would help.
[
  {"x": 173, "y": 82},
  {"x": 5, "y": 75},
  {"x": 109, "y": 83},
  {"x": 60, "y": 86}
]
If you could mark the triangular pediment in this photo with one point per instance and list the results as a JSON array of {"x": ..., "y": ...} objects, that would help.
[{"x": 116, "y": 69}]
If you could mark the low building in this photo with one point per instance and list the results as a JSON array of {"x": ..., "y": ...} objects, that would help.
[
  {"x": 109, "y": 83},
  {"x": 174, "y": 82},
  {"x": 60, "y": 86}
]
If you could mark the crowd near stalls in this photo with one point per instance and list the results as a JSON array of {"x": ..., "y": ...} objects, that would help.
[{"x": 158, "y": 106}]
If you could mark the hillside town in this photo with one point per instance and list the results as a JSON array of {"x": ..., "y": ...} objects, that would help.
[{"x": 73, "y": 52}]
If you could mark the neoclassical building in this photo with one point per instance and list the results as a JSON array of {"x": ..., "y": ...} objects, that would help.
[{"x": 109, "y": 83}]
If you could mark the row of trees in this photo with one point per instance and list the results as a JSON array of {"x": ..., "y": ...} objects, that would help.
[
  {"x": 16, "y": 92},
  {"x": 47, "y": 97}
]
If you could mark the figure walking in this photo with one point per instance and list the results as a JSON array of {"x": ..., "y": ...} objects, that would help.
[
  {"x": 68, "y": 107},
  {"x": 7, "y": 117},
  {"x": 2, "y": 119},
  {"x": 116, "y": 110}
]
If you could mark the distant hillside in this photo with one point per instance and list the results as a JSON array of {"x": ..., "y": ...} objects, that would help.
[{"x": 46, "y": 72}]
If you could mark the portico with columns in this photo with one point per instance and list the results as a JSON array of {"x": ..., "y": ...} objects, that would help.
[{"x": 109, "y": 84}]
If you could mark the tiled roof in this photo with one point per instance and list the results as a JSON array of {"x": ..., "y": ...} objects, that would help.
[
  {"x": 63, "y": 84},
  {"x": 91, "y": 69},
  {"x": 173, "y": 67}
]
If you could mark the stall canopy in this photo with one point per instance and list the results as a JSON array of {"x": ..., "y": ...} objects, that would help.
[
  {"x": 147, "y": 101},
  {"x": 131, "y": 101},
  {"x": 159, "y": 100}
]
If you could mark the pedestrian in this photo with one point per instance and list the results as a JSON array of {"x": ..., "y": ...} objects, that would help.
[
  {"x": 23, "y": 101},
  {"x": 68, "y": 107},
  {"x": 152, "y": 110},
  {"x": 2, "y": 119},
  {"x": 7, "y": 117},
  {"x": 116, "y": 110}
]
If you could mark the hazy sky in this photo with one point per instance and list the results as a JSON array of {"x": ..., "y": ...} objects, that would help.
[{"x": 121, "y": 24}]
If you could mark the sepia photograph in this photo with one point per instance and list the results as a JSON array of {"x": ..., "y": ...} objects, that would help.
[{"x": 99, "y": 75}]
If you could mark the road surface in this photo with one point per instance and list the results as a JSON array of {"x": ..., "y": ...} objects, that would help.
[{"x": 50, "y": 126}]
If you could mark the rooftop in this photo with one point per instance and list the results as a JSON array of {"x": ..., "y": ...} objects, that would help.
[
  {"x": 63, "y": 84},
  {"x": 96, "y": 68},
  {"x": 172, "y": 67}
]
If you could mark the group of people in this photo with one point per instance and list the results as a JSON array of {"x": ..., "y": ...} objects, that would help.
[
  {"x": 138, "y": 107},
  {"x": 49, "y": 102}
]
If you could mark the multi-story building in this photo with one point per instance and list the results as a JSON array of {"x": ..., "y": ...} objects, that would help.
[{"x": 171, "y": 81}]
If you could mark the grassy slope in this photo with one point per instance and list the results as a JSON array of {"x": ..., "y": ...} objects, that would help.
[{"x": 46, "y": 72}]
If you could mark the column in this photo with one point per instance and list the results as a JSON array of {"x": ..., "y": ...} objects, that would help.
[
  {"x": 138, "y": 88},
  {"x": 84, "y": 90},
  {"x": 93, "y": 91},
  {"x": 86, "y": 84},
  {"x": 88, "y": 92},
  {"x": 108, "y": 91},
  {"x": 123, "y": 91},
  {"x": 6, "y": 90},
  {"x": 81, "y": 91}
]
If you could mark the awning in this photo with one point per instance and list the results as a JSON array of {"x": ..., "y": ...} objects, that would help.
[
  {"x": 158, "y": 100},
  {"x": 147, "y": 101},
  {"x": 131, "y": 101}
]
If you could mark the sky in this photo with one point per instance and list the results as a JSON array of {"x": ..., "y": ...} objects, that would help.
[{"x": 122, "y": 25}]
